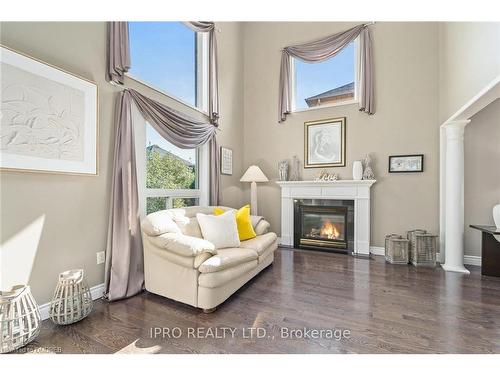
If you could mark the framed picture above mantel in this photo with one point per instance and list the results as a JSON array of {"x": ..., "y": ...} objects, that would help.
[
  {"x": 49, "y": 118},
  {"x": 324, "y": 143},
  {"x": 406, "y": 163}
]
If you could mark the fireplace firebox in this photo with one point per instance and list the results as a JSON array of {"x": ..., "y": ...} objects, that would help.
[{"x": 324, "y": 224}]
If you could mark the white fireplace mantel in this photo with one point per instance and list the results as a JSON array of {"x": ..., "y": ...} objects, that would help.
[{"x": 358, "y": 191}]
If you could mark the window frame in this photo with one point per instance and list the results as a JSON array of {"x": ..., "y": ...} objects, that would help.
[
  {"x": 293, "y": 85},
  {"x": 201, "y": 76},
  {"x": 201, "y": 192}
]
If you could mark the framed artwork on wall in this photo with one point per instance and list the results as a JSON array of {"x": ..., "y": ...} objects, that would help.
[
  {"x": 226, "y": 161},
  {"x": 324, "y": 143},
  {"x": 49, "y": 118},
  {"x": 406, "y": 163}
]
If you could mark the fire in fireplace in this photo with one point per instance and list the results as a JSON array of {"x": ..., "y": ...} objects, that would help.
[
  {"x": 328, "y": 230},
  {"x": 324, "y": 226}
]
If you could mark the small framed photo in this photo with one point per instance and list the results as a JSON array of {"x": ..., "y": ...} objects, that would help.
[
  {"x": 406, "y": 163},
  {"x": 324, "y": 143},
  {"x": 226, "y": 161}
]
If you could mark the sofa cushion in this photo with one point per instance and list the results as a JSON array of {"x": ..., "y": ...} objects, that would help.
[
  {"x": 227, "y": 258},
  {"x": 183, "y": 245},
  {"x": 243, "y": 222},
  {"x": 158, "y": 223},
  {"x": 260, "y": 243},
  {"x": 262, "y": 227},
  {"x": 216, "y": 279},
  {"x": 220, "y": 230},
  {"x": 189, "y": 226},
  {"x": 269, "y": 251}
]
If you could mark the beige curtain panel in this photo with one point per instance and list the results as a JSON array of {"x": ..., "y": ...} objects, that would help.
[
  {"x": 118, "y": 58},
  {"x": 325, "y": 48},
  {"x": 124, "y": 271},
  {"x": 124, "y": 268}
]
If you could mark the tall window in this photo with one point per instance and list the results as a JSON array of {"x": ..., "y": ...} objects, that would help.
[
  {"x": 170, "y": 58},
  {"x": 325, "y": 83}
]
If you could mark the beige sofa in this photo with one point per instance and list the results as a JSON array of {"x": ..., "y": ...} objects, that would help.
[{"x": 181, "y": 265}]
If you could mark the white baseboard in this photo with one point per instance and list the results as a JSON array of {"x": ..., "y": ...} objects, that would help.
[
  {"x": 377, "y": 250},
  {"x": 96, "y": 292},
  {"x": 470, "y": 260}
]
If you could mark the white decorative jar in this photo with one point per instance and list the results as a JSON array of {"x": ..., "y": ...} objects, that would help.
[
  {"x": 19, "y": 318},
  {"x": 496, "y": 215},
  {"x": 72, "y": 300},
  {"x": 357, "y": 170}
]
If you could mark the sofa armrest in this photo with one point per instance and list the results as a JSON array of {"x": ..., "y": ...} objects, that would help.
[
  {"x": 262, "y": 227},
  {"x": 183, "y": 245}
]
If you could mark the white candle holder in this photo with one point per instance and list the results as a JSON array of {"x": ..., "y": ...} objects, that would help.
[
  {"x": 19, "y": 318},
  {"x": 72, "y": 300}
]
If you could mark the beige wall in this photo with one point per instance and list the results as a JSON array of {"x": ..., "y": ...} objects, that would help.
[
  {"x": 59, "y": 222},
  {"x": 469, "y": 59},
  {"x": 406, "y": 122},
  {"x": 482, "y": 173}
]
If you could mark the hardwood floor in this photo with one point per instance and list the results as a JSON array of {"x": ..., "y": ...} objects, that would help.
[{"x": 387, "y": 309}]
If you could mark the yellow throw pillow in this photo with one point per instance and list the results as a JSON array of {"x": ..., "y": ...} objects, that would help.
[{"x": 243, "y": 222}]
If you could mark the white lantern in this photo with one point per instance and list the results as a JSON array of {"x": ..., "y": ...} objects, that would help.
[
  {"x": 19, "y": 318},
  {"x": 72, "y": 300}
]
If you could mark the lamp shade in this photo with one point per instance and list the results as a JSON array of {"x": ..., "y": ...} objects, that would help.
[{"x": 254, "y": 174}]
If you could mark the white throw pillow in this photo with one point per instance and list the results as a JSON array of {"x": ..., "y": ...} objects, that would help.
[{"x": 220, "y": 230}]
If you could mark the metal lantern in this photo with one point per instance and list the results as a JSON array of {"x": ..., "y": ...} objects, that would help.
[
  {"x": 19, "y": 318},
  {"x": 72, "y": 300}
]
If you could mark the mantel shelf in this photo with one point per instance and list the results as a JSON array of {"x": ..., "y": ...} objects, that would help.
[{"x": 327, "y": 183}]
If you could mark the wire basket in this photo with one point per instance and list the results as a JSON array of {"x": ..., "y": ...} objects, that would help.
[
  {"x": 423, "y": 247},
  {"x": 396, "y": 249},
  {"x": 19, "y": 318},
  {"x": 72, "y": 300}
]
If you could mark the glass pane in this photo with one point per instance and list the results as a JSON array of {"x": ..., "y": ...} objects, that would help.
[
  {"x": 323, "y": 226},
  {"x": 154, "y": 204},
  {"x": 168, "y": 166},
  {"x": 184, "y": 202},
  {"x": 163, "y": 55},
  {"x": 326, "y": 82}
]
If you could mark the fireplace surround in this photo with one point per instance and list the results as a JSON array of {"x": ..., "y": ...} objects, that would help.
[
  {"x": 342, "y": 190},
  {"x": 324, "y": 224}
]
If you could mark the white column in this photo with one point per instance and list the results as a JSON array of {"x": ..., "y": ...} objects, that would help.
[{"x": 454, "y": 203}]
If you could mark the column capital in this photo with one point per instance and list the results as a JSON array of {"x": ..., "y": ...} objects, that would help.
[
  {"x": 456, "y": 124},
  {"x": 455, "y": 129}
]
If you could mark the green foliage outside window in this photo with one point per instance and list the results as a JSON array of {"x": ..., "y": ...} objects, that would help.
[{"x": 167, "y": 171}]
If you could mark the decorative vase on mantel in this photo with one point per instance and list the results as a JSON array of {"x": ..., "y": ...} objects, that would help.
[
  {"x": 496, "y": 215},
  {"x": 357, "y": 170}
]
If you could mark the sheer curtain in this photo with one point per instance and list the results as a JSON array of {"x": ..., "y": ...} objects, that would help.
[{"x": 322, "y": 49}]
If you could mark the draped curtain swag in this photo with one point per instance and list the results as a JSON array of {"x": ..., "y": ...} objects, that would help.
[
  {"x": 124, "y": 269},
  {"x": 124, "y": 258},
  {"x": 322, "y": 49}
]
